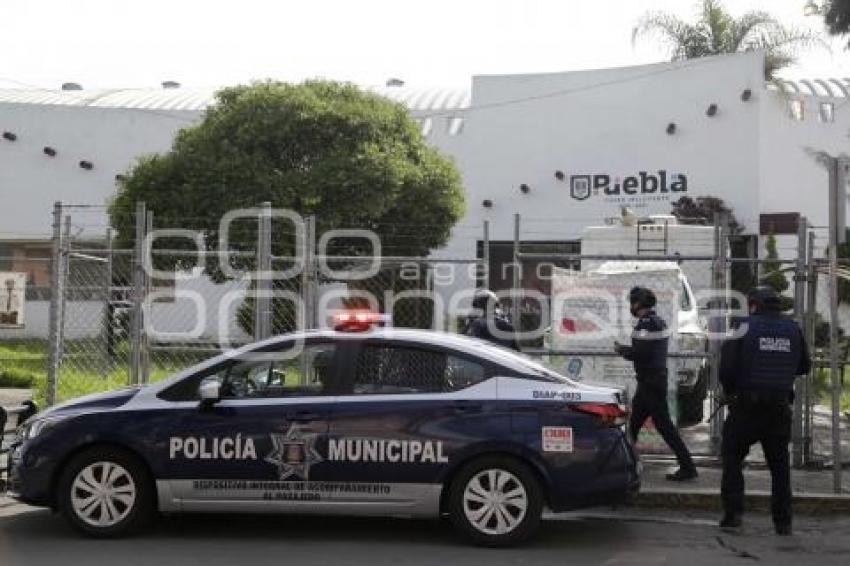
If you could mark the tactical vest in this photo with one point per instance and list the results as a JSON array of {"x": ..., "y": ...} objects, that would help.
[{"x": 770, "y": 354}]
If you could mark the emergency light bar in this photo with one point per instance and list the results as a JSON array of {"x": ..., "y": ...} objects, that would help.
[{"x": 359, "y": 321}]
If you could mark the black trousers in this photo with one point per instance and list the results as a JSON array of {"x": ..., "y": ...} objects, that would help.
[
  {"x": 770, "y": 425},
  {"x": 651, "y": 401}
]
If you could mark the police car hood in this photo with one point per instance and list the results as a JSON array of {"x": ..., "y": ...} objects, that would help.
[{"x": 94, "y": 402}]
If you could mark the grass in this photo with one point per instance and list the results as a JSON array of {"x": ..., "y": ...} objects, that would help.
[{"x": 24, "y": 365}]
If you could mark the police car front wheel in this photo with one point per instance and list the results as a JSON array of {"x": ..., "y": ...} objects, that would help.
[
  {"x": 496, "y": 501},
  {"x": 105, "y": 492}
]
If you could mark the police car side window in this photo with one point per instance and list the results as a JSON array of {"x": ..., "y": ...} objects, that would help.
[
  {"x": 382, "y": 370},
  {"x": 305, "y": 374}
]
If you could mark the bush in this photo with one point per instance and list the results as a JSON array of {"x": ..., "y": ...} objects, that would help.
[{"x": 17, "y": 378}]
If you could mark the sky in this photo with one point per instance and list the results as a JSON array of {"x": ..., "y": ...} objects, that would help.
[{"x": 209, "y": 43}]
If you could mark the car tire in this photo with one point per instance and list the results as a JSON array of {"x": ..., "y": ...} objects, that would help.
[
  {"x": 504, "y": 516},
  {"x": 106, "y": 492}
]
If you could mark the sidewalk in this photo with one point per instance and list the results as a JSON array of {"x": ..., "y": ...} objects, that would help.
[{"x": 813, "y": 490}]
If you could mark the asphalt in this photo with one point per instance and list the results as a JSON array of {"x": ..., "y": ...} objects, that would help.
[{"x": 35, "y": 537}]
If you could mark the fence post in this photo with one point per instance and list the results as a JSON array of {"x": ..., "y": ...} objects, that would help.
[
  {"x": 797, "y": 434},
  {"x": 516, "y": 278},
  {"x": 136, "y": 322},
  {"x": 811, "y": 321},
  {"x": 262, "y": 283},
  {"x": 836, "y": 208},
  {"x": 56, "y": 294},
  {"x": 108, "y": 322},
  {"x": 485, "y": 255},
  {"x": 718, "y": 320},
  {"x": 309, "y": 279},
  {"x": 65, "y": 274},
  {"x": 145, "y": 346}
]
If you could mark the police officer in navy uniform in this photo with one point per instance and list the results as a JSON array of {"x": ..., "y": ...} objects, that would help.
[
  {"x": 757, "y": 372},
  {"x": 649, "y": 354},
  {"x": 489, "y": 317}
]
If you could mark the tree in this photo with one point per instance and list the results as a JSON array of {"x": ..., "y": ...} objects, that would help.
[
  {"x": 836, "y": 15},
  {"x": 773, "y": 274},
  {"x": 351, "y": 158},
  {"x": 702, "y": 210},
  {"x": 716, "y": 32}
]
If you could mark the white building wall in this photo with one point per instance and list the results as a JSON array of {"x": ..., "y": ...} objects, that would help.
[{"x": 111, "y": 138}]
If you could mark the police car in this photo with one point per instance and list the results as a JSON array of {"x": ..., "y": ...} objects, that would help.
[{"x": 381, "y": 421}]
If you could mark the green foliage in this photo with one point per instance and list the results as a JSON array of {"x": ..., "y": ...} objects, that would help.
[
  {"x": 716, "y": 32},
  {"x": 843, "y": 284},
  {"x": 701, "y": 211},
  {"x": 773, "y": 274},
  {"x": 17, "y": 378},
  {"x": 836, "y": 15},
  {"x": 352, "y": 158}
]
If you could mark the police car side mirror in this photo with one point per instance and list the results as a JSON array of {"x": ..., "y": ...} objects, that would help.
[{"x": 210, "y": 393}]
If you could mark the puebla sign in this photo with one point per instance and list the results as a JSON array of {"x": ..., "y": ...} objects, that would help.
[{"x": 583, "y": 187}]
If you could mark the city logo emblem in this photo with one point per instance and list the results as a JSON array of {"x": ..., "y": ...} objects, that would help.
[
  {"x": 580, "y": 186},
  {"x": 642, "y": 183},
  {"x": 294, "y": 453}
]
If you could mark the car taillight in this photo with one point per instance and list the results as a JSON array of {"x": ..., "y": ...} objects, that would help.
[{"x": 609, "y": 413}]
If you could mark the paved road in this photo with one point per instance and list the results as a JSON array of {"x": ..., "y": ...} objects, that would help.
[{"x": 35, "y": 537}]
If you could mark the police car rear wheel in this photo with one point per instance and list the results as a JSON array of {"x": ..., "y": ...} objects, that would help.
[
  {"x": 496, "y": 501},
  {"x": 106, "y": 492}
]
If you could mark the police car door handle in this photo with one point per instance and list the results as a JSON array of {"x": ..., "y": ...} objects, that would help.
[{"x": 303, "y": 416}]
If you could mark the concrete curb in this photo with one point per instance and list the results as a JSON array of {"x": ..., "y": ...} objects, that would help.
[{"x": 709, "y": 500}]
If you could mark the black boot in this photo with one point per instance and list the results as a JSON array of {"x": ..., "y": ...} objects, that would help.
[
  {"x": 782, "y": 529},
  {"x": 730, "y": 521},
  {"x": 683, "y": 474}
]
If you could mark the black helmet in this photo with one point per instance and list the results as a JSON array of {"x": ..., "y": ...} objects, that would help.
[
  {"x": 642, "y": 296},
  {"x": 485, "y": 299},
  {"x": 764, "y": 296}
]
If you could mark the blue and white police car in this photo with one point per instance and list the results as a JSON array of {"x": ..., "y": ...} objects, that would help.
[{"x": 377, "y": 422}]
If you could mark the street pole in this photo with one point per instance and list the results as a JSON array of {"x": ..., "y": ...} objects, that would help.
[{"x": 836, "y": 205}]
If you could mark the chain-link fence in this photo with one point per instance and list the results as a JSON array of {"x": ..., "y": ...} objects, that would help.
[{"x": 101, "y": 314}]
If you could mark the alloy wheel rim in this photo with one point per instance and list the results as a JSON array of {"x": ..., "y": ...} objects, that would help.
[
  {"x": 495, "y": 501},
  {"x": 103, "y": 494}
]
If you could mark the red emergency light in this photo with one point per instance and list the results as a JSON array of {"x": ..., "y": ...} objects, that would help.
[{"x": 358, "y": 320}]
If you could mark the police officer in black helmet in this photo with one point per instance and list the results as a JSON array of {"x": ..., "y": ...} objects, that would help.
[
  {"x": 649, "y": 354},
  {"x": 757, "y": 372},
  {"x": 489, "y": 321}
]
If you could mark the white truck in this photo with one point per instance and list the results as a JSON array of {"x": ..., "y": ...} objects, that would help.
[{"x": 673, "y": 281}]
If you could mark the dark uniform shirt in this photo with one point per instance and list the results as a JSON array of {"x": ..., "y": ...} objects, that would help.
[
  {"x": 649, "y": 349},
  {"x": 479, "y": 328},
  {"x": 766, "y": 358}
]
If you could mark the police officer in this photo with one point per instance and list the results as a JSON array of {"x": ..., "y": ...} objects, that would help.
[
  {"x": 649, "y": 354},
  {"x": 489, "y": 317},
  {"x": 757, "y": 372}
]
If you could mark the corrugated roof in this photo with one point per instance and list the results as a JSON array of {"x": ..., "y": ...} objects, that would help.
[{"x": 191, "y": 100}]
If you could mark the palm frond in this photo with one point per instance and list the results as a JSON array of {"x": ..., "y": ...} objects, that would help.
[
  {"x": 742, "y": 28},
  {"x": 666, "y": 27},
  {"x": 718, "y": 22}
]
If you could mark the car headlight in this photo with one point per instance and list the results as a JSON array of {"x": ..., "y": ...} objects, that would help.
[{"x": 36, "y": 426}]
